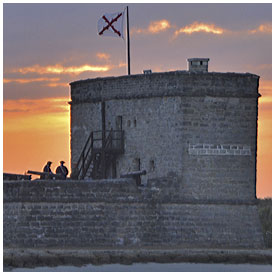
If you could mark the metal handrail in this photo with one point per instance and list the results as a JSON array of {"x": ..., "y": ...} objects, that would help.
[
  {"x": 82, "y": 164},
  {"x": 90, "y": 138},
  {"x": 109, "y": 139}
]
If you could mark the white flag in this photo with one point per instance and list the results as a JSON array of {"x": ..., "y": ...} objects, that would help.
[{"x": 111, "y": 24}]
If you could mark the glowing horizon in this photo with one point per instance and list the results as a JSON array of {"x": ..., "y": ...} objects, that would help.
[
  {"x": 263, "y": 28},
  {"x": 60, "y": 69}
]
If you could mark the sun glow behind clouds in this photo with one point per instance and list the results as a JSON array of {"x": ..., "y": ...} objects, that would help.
[
  {"x": 263, "y": 28},
  {"x": 46, "y": 81},
  {"x": 154, "y": 27},
  {"x": 35, "y": 131},
  {"x": 29, "y": 80},
  {"x": 264, "y": 154},
  {"x": 59, "y": 69},
  {"x": 265, "y": 89},
  {"x": 104, "y": 56},
  {"x": 158, "y": 26},
  {"x": 200, "y": 27},
  {"x": 36, "y": 114}
]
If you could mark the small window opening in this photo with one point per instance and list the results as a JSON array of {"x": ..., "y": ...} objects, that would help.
[
  {"x": 119, "y": 123},
  {"x": 135, "y": 123},
  {"x": 137, "y": 164},
  {"x": 147, "y": 71},
  {"x": 201, "y": 62},
  {"x": 152, "y": 165},
  {"x": 129, "y": 123}
]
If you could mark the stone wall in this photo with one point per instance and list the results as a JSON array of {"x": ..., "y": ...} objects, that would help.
[
  {"x": 146, "y": 136},
  {"x": 178, "y": 83},
  {"x": 226, "y": 124},
  {"x": 119, "y": 214},
  {"x": 169, "y": 119}
]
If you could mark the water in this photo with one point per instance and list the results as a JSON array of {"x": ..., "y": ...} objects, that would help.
[{"x": 152, "y": 267}]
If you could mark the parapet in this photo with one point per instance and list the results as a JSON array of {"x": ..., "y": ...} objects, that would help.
[
  {"x": 176, "y": 83},
  {"x": 118, "y": 214},
  {"x": 198, "y": 64}
]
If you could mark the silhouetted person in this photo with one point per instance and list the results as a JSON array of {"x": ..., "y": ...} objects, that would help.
[
  {"x": 62, "y": 170},
  {"x": 47, "y": 168}
]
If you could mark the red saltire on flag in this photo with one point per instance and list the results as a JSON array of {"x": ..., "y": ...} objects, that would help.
[{"x": 111, "y": 24}]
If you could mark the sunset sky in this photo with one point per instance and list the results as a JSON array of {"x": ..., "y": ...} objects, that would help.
[{"x": 47, "y": 46}]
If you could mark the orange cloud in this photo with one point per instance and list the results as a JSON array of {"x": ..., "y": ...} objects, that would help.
[
  {"x": 57, "y": 85},
  {"x": 159, "y": 26},
  {"x": 21, "y": 108},
  {"x": 53, "y": 82},
  {"x": 25, "y": 81},
  {"x": 263, "y": 28},
  {"x": 121, "y": 64},
  {"x": 200, "y": 27},
  {"x": 154, "y": 27},
  {"x": 265, "y": 67},
  {"x": 59, "y": 69},
  {"x": 104, "y": 56},
  {"x": 265, "y": 87}
]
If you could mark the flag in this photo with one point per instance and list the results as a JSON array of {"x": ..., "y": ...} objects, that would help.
[{"x": 111, "y": 24}]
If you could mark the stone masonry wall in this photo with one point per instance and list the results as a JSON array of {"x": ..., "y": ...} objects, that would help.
[
  {"x": 147, "y": 139},
  {"x": 85, "y": 118},
  {"x": 198, "y": 127},
  {"x": 146, "y": 134},
  {"x": 178, "y": 83},
  {"x": 118, "y": 214},
  {"x": 219, "y": 147}
]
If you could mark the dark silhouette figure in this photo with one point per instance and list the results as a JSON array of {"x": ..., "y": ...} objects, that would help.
[
  {"x": 47, "y": 168},
  {"x": 62, "y": 170}
]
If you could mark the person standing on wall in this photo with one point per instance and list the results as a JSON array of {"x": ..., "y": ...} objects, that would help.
[
  {"x": 47, "y": 169},
  {"x": 62, "y": 170}
]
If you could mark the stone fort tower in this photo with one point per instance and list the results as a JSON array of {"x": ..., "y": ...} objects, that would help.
[
  {"x": 196, "y": 126},
  {"x": 195, "y": 134}
]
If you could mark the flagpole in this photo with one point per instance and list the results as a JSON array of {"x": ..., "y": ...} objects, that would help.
[{"x": 128, "y": 42}]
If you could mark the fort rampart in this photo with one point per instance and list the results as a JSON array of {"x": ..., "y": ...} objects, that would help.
[
  {"x": 118, "y": 213},
  {"x": 195, "y": 135},
  {"x": 200, "y": 127},
  {"x": 177, "y": 83}
]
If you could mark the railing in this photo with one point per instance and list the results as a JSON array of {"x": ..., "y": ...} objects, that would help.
[
  {"x": 113, "y": 143},
  {"x": 86, "y": 152}
]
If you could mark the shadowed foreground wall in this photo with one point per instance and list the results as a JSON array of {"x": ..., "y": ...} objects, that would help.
[{"x": 117, "y": 213}]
